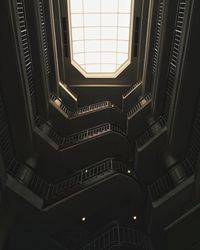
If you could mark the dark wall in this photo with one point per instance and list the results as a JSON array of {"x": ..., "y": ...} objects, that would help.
[
  {"x": 89, "y": 95},
  {"x": 184, "y": 233}
]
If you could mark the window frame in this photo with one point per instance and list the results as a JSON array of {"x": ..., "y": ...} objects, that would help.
[{"x": 99, "y": 74}]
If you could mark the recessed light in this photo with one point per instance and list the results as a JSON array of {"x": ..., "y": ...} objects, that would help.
[
  {"x": 83, "y": 219},
  {"x": 135, "y": 217},
  {"x": 86, "y": 171},
  {"x": 129, "y": 171}
]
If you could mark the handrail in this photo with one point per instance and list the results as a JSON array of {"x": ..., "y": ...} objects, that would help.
[
  {"x": 109, "y": 165},
  {"x": 86, "y": 134},
  {"x": 91, "y": 133},
  {"x": 93, "y": 107},
  {"x": 151, "y": 131},
  {"x": 44, "y": 36},
  {"x": 131, "y": 89},
  {"x": 160, "y": 187},
  {"x": 58, "y": 102},
  {"x": 79, "y": 137},
  {"x": 82, "y": 110},
  {"x": 26, "y": 52},
  {"x": 115, "y": 234},
  {"x": 175, "y": 55},
  {"x": 143, "y": 102},
  {"x": 51, "y": 191},
  {"x": 165, "y": 183}
]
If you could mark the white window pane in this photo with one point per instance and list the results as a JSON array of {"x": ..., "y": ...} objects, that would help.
[
  {"x": 125, "y": 6},
  {"x": 109, "y": 20},
  {"x": 121, "y": 58},
  {"x": 100, "y": 42},
  {"x": 92, "y": 19},
  {"x": 109, "y": 6},
  {"x": 108, "y": 58},
  {"x": 77, "y": 20},
  {"x": 95, "y": 68},
  {"x": 77, "y": 34},
  {"x": 92, "y": 33},
  {"x": 122, "y": 46},
  {"x": 76, "y": 6},
  {"x": 108, "y": 68},
  {"x": 109, "y": 33},
  {"x": 92, "y": 46},
  {"x": 124, "y": 20},
  {"x": 79, "y": 58},
  {"x": 91, "y": 6},
  {"x": 109, "y": 46},
  {"x": 123, "y": 33},
  {"x": 92, "y": 58},
  {"x": 78, "y": 46}
]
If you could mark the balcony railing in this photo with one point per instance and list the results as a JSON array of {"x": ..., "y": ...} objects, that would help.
[
  {"x": 142, "y": 103},
  {"x": 117, "y": 235},
  {"x": 173, "y": 177},
  {"x": 151, "y": 132},
  {"x": 77, "y": 138},
  {"x": 83, "y": 110},
  {"x": 61, "y": 189}
]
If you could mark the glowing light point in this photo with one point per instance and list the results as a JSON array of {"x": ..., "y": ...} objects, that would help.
[{"x": 83, "y": 219}]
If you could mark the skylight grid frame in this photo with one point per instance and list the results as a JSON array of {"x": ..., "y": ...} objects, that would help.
[{"x": 80, "y": 53}]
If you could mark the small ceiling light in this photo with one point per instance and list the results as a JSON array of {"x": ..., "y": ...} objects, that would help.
[
  {"x": 83, "y": 219},
  {"x": 86, "y": 171},
  {"x": 129, "y": 171},
  {"x": 135, "y": 217}
]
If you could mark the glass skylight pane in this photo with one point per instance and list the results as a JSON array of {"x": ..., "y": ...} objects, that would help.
[
  {"x": 123, "y": 33},
  {"x": 109, "y": 33},
  {"x": 122, "y": 46},
  {"x": 78, "y": 47},
  {"x": 108, "y": 58},
  {"x": 100, "y": 35},
  {"x": 91, "y": 6},
  {"x": 110, "y": 46},
  {"x": 124, "y": 20},
  {"x": 92, "y": 58},
  {"x": 77, "y": 33},
  {"x": 108, "y": 68},
  {"x": 92, "y": 46},
  {"x": 109, "y": 20},
  {"x": 91, "y": 20},
  {"x": 121, "y": 58},
  {"x": 80, "y": 58},
  {"x": 76, "y": 6},
  {"x": 95, "y": 68},
  {"x": 124, "y": 6},
  {"x": 92, "y": 33},
  {"x": 110, "y": 6},
  {"x": 77, "y": 20}
]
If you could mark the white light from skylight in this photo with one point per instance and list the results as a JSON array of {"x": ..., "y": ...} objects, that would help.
[{"x": 100, "y": 36}]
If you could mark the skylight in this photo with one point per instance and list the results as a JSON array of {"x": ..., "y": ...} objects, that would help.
[{"x": 100, "y": 36}]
